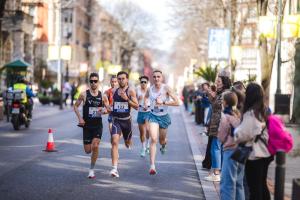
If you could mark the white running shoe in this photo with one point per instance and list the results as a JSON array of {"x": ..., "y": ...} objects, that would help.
[
  {"x": 148, "y": 150},
  {"x": 91, "y": 174},
  {"x": 213, "y": 177},
  {"x": 114, "y": 173}
]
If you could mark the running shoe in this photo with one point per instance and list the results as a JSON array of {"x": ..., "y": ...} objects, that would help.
[
  {"x": 148, "y": 150},
  {"x": 91, "y": 174},
  {"x": 163, "y": 149},
  {"x": 152, "y": 171},
  {"x": 213, "y": 177},
  {"x": 114, "y": 173},
  {"x": 143, "y": 152}
]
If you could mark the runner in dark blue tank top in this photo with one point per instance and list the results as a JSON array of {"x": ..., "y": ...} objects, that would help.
[
  {"x": 91, "y": 121},
  {"x": 123, "y": 99}
]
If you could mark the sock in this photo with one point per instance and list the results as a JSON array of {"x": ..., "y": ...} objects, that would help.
[
  {"x": 163, "y": 145},
  {"x": 148, "y": 143},
  {"x": 152, "y": 166},
  {"x": 144, "y": 145},
  {"x": 115, "y": 167}
]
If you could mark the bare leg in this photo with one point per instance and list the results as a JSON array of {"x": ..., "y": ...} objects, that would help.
[
  {"x": 163, "y": 136},
  {"x": 154, "y": 129},
  {"x": 115, "y": 149},
  {"x": 95, "y": 151}
]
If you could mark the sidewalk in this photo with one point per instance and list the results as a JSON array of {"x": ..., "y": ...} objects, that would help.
[{"x": 211, "y": 190}]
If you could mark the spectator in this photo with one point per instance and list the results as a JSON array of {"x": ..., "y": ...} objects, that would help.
[
  {"x": 251, "y": 131},
  {"x": 66, "y": 91}
]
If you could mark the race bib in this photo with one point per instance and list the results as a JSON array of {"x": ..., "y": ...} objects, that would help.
[
  {"x": 157, "y": 109},
  {"x": 121, "y": 107},
  {"x": 94, "y": 112}
]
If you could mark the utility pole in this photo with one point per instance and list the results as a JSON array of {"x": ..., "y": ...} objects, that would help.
[
  {"x": 59, "y": 63},
  {"x": 278, "y": 91}
]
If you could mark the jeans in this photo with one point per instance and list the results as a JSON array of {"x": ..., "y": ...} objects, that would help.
[
  {"x": 207, "y": 115},
  {"x": 232, "y": 176},
  {"x": 216, "y": 153}
]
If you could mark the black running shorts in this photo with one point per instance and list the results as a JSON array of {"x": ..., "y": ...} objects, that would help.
[{"x": 90, "y": 133}]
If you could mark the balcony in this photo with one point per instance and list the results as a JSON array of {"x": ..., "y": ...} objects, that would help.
[{"x": 17, "y": 20}]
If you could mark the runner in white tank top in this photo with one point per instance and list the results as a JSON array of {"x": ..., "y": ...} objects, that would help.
[
  {"x": 142, "y": 117},
  {"x": 160, "y": 96}
]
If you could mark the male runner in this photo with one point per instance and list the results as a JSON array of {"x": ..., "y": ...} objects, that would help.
[
  {"x": 91, "y": 121},
  {"x": 109, "y": 95},
  {"x": 159, "y": 119},
  {"x": 144, "y": 110},
  {"x": 123, "y": 99}
]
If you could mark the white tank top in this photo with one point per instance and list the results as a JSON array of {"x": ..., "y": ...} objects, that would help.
[
  {"x": 162, "y": 94},
  {"x": 140, "y": 96}
]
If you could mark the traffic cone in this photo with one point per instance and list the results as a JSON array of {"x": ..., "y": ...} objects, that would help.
[{"x": 50, "y": 144}]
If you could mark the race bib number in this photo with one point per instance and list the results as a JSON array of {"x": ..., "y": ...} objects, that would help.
[
  {"x": 94, "y": 112},
  {"x": 121, "y": 107},
  {"x": 157, "y": 109}
]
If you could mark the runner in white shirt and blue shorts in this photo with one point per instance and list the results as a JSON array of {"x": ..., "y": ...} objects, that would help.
[{"x": 161, "y": 96}]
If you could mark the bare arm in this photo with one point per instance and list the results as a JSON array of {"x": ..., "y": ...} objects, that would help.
[
  {"x": 106, "y": 103},
  {"x": 133, "y": 102},
  {"x": 80, "y": 99},
  {"x": 175, "y": 101}
]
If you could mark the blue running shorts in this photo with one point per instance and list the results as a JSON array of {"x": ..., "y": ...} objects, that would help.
[
  {"x": 163, "y": 121},
  {"x": 142, "y": 117}
]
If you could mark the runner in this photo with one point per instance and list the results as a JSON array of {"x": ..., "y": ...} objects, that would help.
[
  {"x": 144, "y": 110},
  {"x": 109, "y": 95},
  {"x": 159, "y": 119},
  {"x": 91, "y": 121},
  {"x": 123, "y": 99}
]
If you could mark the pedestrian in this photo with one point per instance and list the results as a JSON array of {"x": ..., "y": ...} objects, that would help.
[
  {"x": 223, "y": 82},
  {"x": 143, "y": 114},
  {"x": 205, "y": 103},
  {"x": 91, "y": 120},
  {"x": 109, "y": 95},
  {"x": 252, "y": 132},
  {"x": 66, "y": 91},
  {"x": 185, "y": 93},
  {"x": 231, "y": 187},
  {"x": 161, "y": 96},
  {"x": 124, "y": 98},
  {"x": 73, "y": 92}
]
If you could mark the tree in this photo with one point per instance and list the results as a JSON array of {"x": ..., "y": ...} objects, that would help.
[{"x": 208, "y": 73}]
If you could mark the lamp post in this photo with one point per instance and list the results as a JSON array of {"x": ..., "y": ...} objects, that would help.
[
  {"x": 59, "y": 70},
  {"x": 278, "y": 90}
]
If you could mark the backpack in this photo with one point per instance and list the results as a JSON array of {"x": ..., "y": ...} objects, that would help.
[{"x": 279, "y": 137}]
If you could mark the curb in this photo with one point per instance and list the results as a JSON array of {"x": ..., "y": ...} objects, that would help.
[{"x": 198, "y": 150}]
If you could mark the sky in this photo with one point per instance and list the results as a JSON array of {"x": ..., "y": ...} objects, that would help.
[{"x": 161, "y": 11}]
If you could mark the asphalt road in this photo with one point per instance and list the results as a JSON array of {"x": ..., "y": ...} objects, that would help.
[{"x": 26, "y": 172}]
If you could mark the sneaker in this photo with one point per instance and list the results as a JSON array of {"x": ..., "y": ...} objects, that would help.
[
  {"x": 152, "y": 171},
  {"x": 163, "y": 149},
  {"x": 91, "y": 174},
  {"x": 143, "y": 152},
  {"x": 114, "y": 173},
  {"x": 213, "y": 177},
  {"x": 148, "y": 150}
]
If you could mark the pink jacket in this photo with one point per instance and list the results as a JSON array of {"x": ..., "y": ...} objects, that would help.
[{"x": 225, "y": 130}]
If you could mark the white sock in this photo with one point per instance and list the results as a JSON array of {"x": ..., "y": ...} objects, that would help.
[
  {"x": 115, "y": 167},
  {"x": 144, "y": 145},
  {"x": 148, "y": 143},
  {"x": 152, "y": 166}
]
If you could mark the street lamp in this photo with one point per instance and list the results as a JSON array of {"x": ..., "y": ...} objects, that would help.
[{"x": 278, "y": 90}]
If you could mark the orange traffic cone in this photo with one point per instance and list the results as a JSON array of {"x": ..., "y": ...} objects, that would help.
[{"x": 50, "y": 144}]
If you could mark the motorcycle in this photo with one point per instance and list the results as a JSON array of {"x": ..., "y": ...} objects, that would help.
[{"x": 18, "y": 111}]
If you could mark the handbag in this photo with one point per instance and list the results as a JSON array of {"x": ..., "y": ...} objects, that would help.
[{"x": 241, "y": 153}]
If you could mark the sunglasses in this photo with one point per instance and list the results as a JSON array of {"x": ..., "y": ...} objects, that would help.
[
  {"x": 93, "y": 81},
  {"x": 143, "y": 82},
  {"x": 156, "y": 76},
  {"x": 121, "y": 79}
]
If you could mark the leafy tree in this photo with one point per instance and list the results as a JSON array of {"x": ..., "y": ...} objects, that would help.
[{"x": 208, "y": 73}]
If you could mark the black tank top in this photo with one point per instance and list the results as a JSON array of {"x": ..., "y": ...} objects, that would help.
[
  {"x": 91, "y": 113},
  {"x": 121, "y": 107}
]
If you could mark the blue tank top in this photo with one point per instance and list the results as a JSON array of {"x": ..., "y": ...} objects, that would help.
[{"x": 121, "y": 107}]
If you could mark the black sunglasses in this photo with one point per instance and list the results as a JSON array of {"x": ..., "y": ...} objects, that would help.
[
  {"x": 143, "y": 82},
  {"x": 93, "y": 81}
]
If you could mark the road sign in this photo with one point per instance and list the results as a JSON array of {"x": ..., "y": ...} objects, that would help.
[{"x": 219, "y": 44}]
